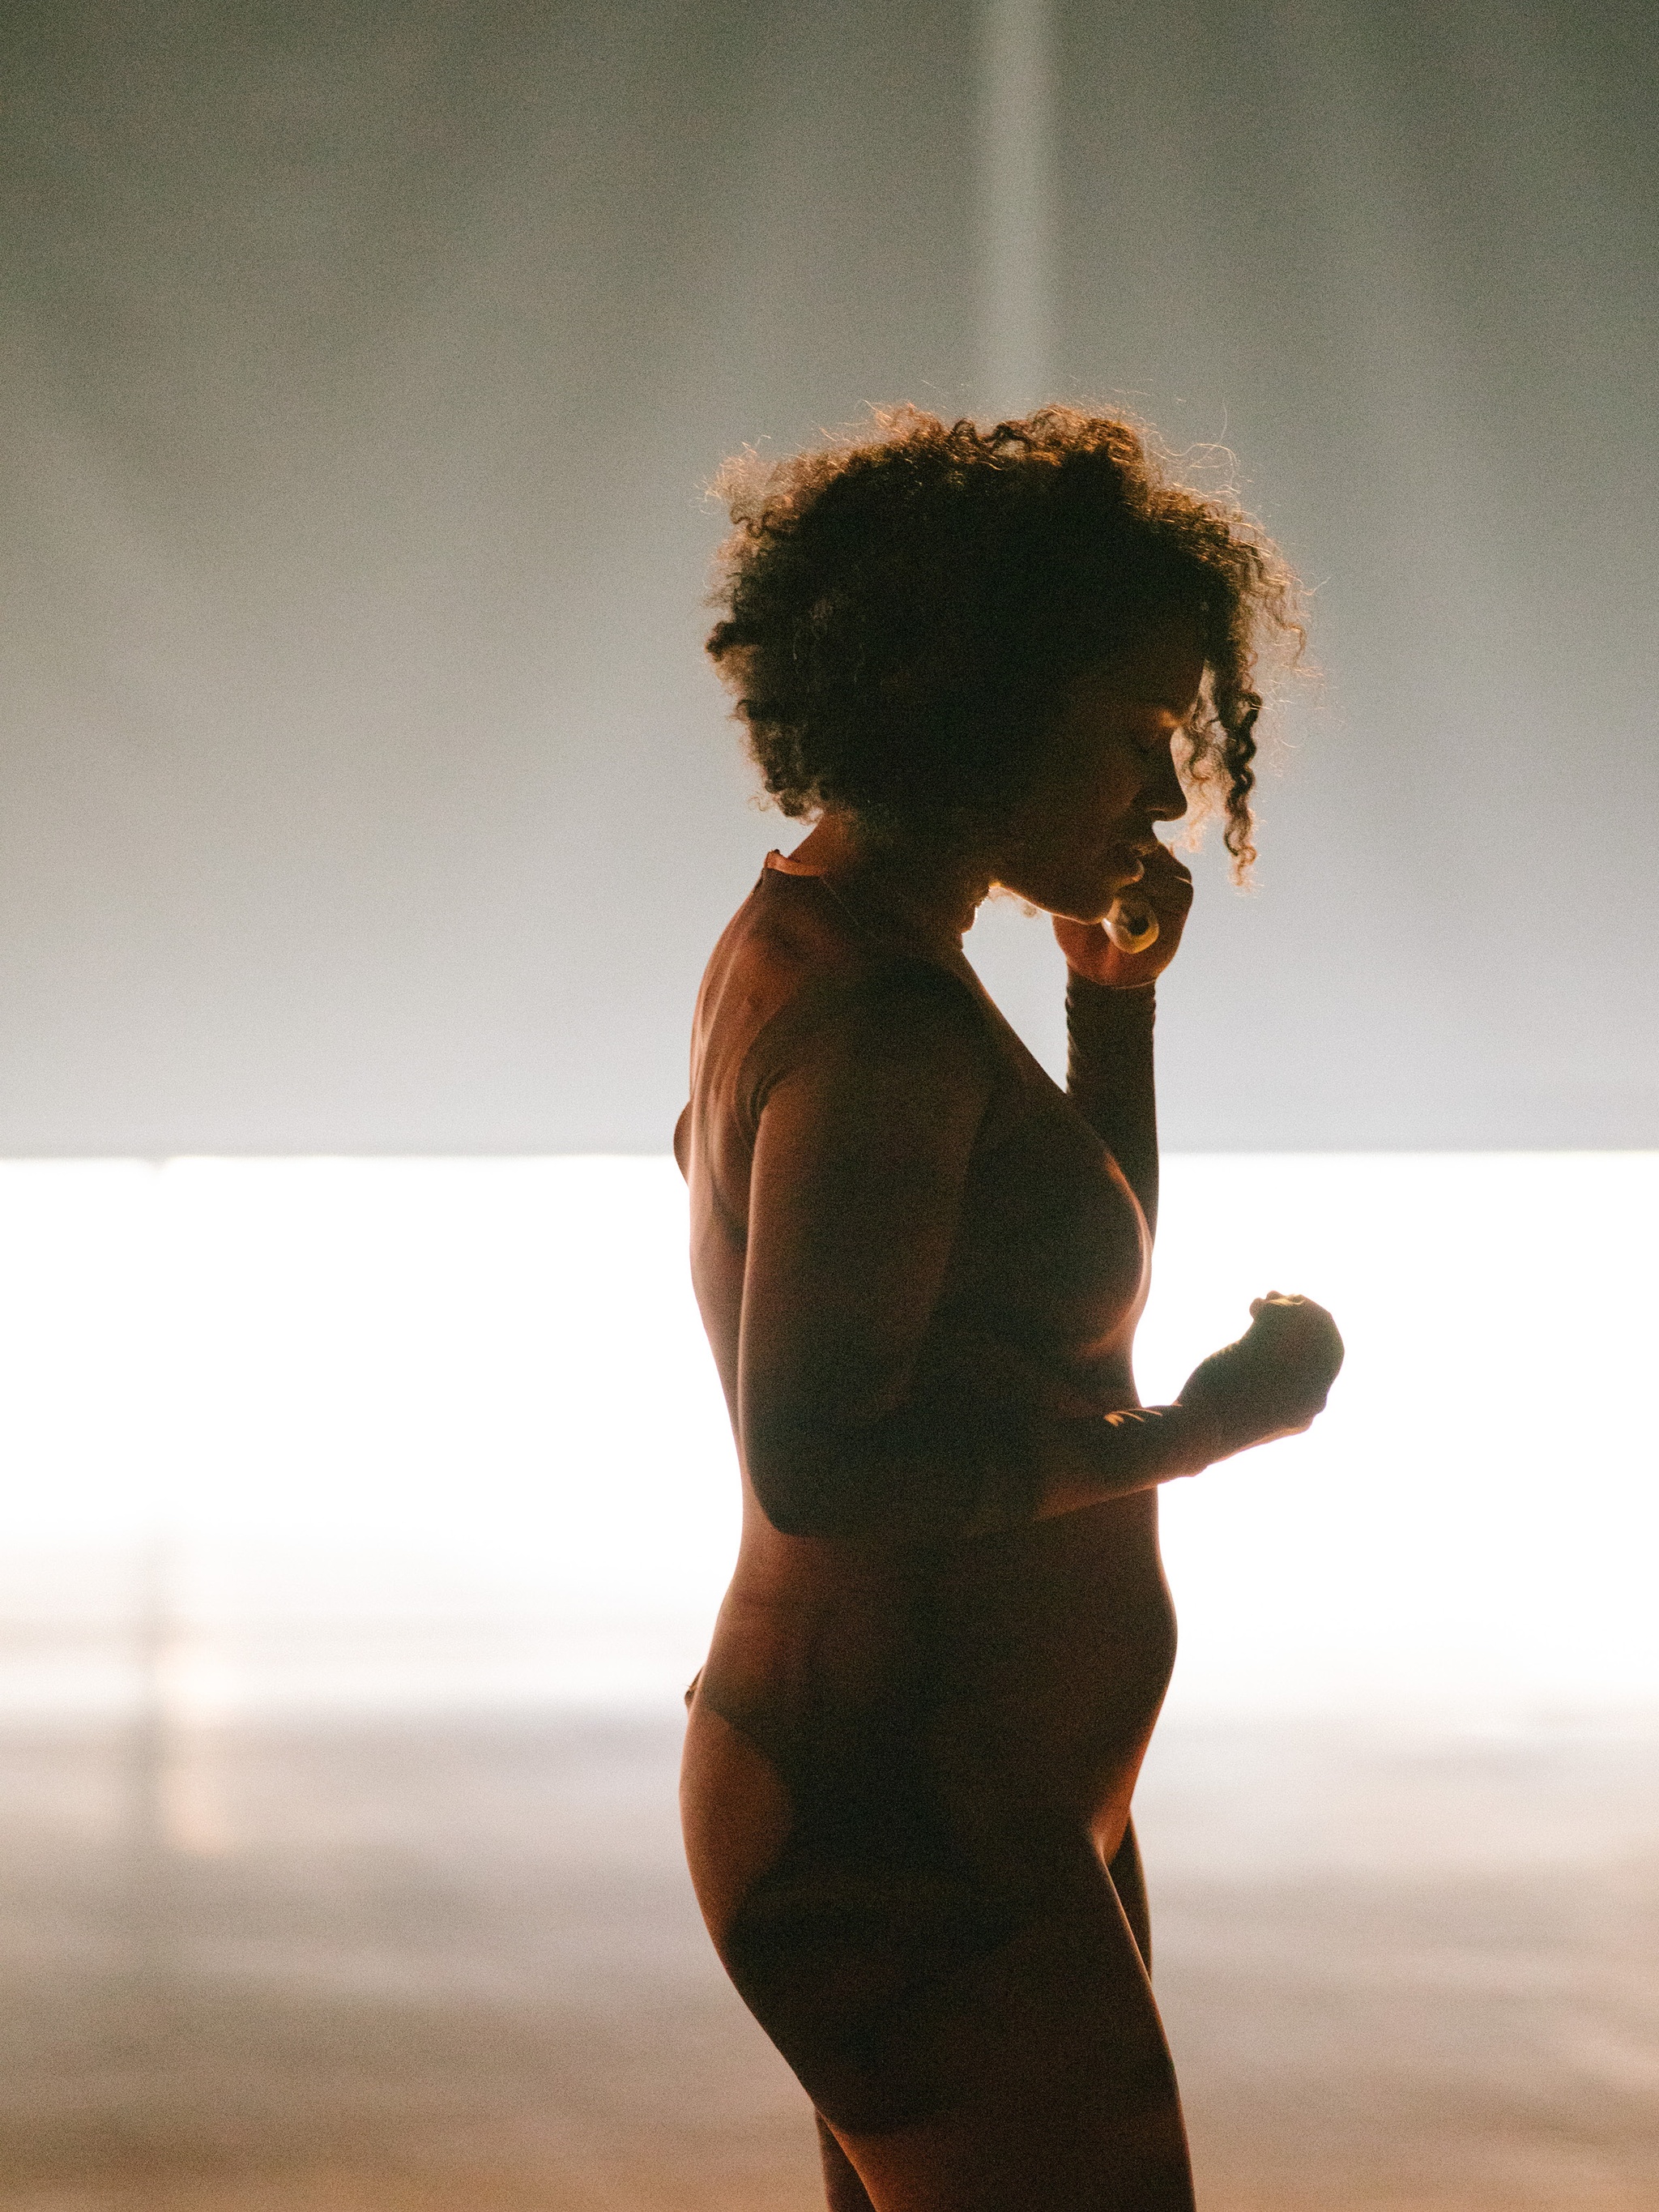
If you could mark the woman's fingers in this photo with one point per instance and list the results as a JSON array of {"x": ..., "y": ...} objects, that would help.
[
  {"x": 1168, "y": 880},
  {"x": 1305, "y": 1337},
  {"x": 1164, "y": 888},
  {"x": 1275, "y": 1380}
]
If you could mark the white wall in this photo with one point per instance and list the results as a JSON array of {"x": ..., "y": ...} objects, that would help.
[{"x": 362, "y": 786}]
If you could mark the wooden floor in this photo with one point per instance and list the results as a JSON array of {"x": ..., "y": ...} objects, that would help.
[{"x": 455, "y": 1967}]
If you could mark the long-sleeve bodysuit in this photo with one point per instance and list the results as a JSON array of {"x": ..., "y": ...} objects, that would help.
[{"x": 910, "y": 1763}]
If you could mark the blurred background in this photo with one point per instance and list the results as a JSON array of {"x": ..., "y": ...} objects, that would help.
[{"x": 368, "y": 815}]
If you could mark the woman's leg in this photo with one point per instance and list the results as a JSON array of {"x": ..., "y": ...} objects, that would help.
[
  {"x": 737, "y": 1817},
  {"x": 1129, "y": 1881},
  {"x": 1062, "y": 2096},
  {"x": 843, "y": 2191},
  {"x": 972, "y": 2052}
]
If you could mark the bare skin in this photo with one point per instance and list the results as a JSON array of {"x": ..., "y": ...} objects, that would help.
[{"x": 912, "y": 1752}]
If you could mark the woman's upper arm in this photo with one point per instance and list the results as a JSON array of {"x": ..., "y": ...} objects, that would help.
[{"x": 861, "y": 1155}]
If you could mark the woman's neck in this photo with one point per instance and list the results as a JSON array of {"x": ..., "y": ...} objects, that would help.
[{"x": 929, "y": 890}]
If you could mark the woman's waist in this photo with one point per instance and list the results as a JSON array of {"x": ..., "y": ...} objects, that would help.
[
  {"x": 1023, "y": 1622},
  {"x": 1101, "y": 1554},
  {"x": 1042, "y": 1735}
]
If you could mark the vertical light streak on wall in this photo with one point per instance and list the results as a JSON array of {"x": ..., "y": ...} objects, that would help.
[{"x": 1017, "y": 203}]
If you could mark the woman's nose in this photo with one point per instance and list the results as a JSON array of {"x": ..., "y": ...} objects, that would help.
[{"x": 1167, "y": 801}]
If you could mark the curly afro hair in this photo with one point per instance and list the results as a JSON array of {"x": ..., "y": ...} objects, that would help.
[{"x": 902, "y": 609}]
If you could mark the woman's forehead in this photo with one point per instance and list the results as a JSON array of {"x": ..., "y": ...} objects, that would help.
[{"x": 1161, "y": 664}]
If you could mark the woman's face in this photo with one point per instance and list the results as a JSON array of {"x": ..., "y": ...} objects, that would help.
[{"x": 1107, "y": 775}]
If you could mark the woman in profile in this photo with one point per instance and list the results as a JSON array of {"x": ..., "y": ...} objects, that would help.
[{"x": 971, "y": 658}]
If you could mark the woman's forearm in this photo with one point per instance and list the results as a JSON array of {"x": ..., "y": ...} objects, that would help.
[
  {"x": 922, "y": 1475},
  {"x": 1110, "y": 1075},
  {"x": 1085, "y": 1462}
]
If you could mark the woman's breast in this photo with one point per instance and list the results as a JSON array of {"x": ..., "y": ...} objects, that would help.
[{"x": 1051, "y": 1253}]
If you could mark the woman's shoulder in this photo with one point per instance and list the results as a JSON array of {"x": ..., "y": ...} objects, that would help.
[
  {"x": 795, "y": 975},
  {"x": 793, "y": 936}
]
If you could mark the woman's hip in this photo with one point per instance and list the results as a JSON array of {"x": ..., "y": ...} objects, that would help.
[{"x": 853, "y": 1893}]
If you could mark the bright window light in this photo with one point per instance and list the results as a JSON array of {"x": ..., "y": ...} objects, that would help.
[{"x": 382, "y": 1431}]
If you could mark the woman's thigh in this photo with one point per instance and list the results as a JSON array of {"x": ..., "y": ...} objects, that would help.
[{"x": 1062, "y": 2095}]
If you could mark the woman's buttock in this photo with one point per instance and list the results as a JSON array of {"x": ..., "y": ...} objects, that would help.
[
  {"x": 846, "y": 1902},
  {"x": 859, "y": 1898}
]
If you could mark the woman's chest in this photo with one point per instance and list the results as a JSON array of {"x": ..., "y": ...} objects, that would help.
[{"x": 1051, "y": 1246}]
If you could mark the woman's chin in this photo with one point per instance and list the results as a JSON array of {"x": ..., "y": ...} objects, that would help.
[
  {"x": 1102, "y": 899},
  {"x": 1087, "y": 913},
  {"x": 1079, "y": 899}
]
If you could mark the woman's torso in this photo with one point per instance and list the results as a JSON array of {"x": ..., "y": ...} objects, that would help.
[{"x": 1023, "y": 1669}]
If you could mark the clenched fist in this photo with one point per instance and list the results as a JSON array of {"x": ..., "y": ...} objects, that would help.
[{"x": 1273, "y": 1381}]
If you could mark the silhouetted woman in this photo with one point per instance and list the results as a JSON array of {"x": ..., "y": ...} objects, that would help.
[{"x": 974, "y": 658}]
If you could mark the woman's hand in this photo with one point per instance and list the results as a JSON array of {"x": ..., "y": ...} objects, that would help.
[
  {"x": 1273, "y": 1381},
  {"x": 1165, "y": 889}
]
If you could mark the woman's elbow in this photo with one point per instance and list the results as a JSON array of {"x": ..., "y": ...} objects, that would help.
[
  {"x": 798, "y": 1508},
  {"x": 801, "y": 1485},
  {"x": 792, "y": 1517}
]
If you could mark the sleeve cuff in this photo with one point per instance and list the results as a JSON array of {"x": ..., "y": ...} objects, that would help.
[{"x": 1092, "y": 1005}]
